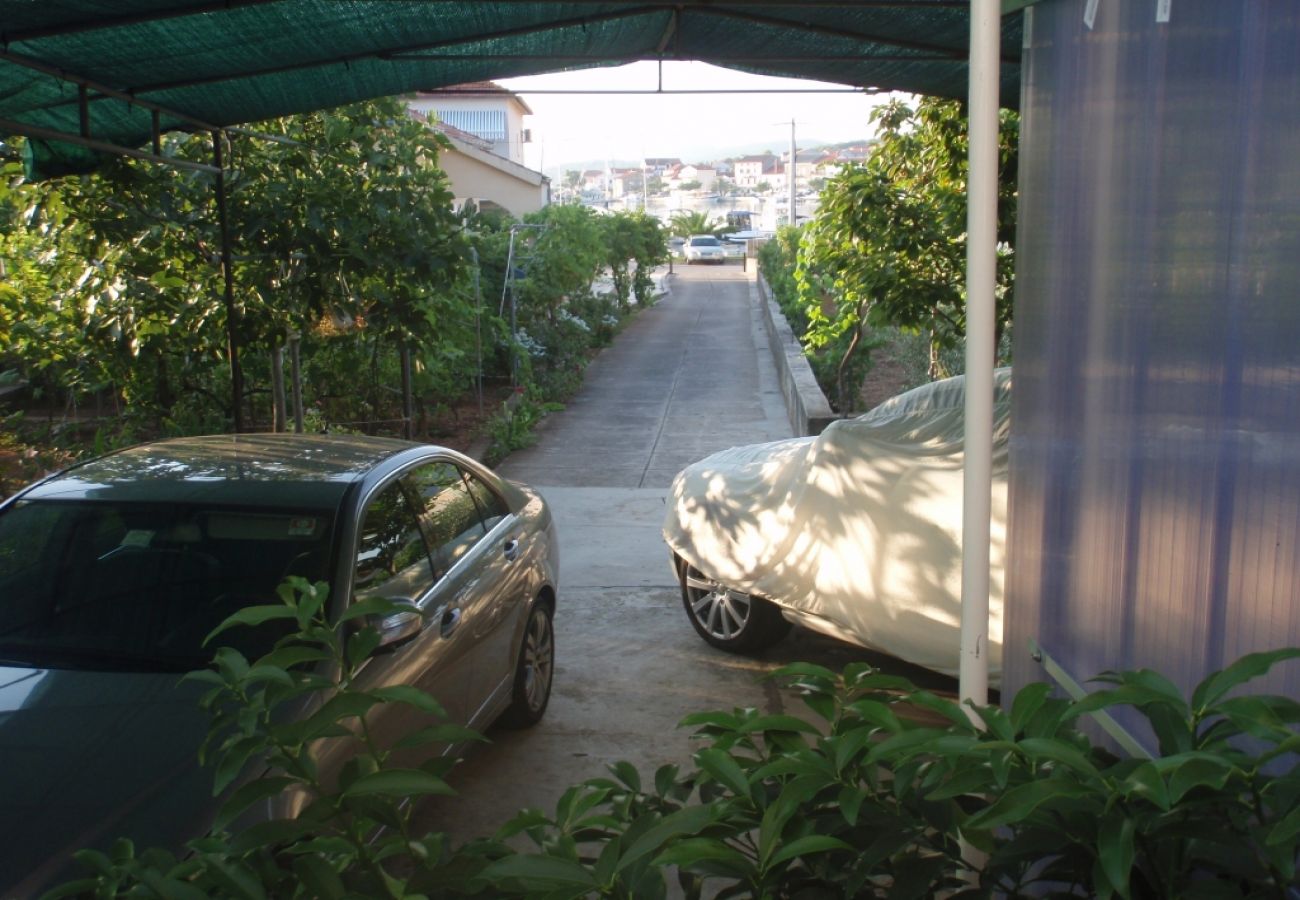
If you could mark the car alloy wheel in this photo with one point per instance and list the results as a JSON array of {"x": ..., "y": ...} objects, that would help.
[
  {"x": 534, "y": 673},
  {"x": 729, "y": 619}
]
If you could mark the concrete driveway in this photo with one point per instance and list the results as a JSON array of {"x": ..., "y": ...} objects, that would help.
[{"x": 689, "y": 376}]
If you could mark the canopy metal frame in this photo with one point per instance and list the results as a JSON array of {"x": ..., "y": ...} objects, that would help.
[{"x": 984, "y": 62}]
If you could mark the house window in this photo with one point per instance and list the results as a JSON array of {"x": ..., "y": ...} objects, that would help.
[{"x": 489, "y": 124}]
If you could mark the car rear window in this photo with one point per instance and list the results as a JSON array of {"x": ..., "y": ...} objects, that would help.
[{"x": 134, "y": 586}]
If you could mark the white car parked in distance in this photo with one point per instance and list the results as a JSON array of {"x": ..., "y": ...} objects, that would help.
[{"x": 705, "y": 248}]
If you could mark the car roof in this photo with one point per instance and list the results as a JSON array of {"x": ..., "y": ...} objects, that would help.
[{"x": 249, "y": 469}]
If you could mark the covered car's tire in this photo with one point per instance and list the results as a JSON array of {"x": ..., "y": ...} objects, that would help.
[
  {"x": 728, "y": 619},
  {"x": 534, "y": 671}
]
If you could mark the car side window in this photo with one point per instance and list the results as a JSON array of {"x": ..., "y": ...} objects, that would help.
[
  {"x": 392, "y": 558},
  {"x": 447, "y": 513},
  {"x": 490, "y": 506}
]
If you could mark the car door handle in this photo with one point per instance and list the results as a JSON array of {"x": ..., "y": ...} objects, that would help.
[
  {"x": 450, "y": 622},
  {"x": 511, "y": 549}
]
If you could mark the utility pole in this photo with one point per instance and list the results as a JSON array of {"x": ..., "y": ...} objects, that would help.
[{"x": 789, "y": 174}]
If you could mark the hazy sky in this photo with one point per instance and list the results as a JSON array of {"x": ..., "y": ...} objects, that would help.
[{"x": 571, "y": 128}]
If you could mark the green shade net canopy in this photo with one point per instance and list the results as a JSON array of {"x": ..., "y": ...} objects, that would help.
[{"x": 116, "y": 73}]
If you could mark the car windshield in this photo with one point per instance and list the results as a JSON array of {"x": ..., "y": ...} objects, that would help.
[
  {"x": 704, "y": 242},
  {"x": 138, "y": 586}
]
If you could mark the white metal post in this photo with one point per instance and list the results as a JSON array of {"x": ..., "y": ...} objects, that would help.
[
  {"x": 981, "y": 279},
  {"x": 789, "y": 174}
]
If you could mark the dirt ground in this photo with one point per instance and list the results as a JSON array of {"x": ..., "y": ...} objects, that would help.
[{"x": 886, "y": 378}]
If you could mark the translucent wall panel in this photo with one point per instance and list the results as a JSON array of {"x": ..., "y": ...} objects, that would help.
[{"x": 1155, "y": 489}]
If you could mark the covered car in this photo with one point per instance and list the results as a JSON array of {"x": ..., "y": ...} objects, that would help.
[{"x": 855, "y": 533}]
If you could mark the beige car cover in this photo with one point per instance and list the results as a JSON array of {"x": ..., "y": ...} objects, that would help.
[{"x": 855, "y": 532}]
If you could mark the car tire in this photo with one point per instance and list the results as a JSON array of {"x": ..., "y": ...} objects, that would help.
[
  {"x": 728, "y": 619},
  {"x": 534, "y": 671}
]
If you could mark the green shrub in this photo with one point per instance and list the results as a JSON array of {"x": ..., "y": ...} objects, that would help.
[{"x": 882, "y": 791}]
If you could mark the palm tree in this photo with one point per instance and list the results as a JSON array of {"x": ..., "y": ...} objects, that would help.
[{"x": 685, "y": 224}]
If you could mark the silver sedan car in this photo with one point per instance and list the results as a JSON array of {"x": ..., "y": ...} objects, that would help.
[
  {"x": 705, "y": 248},
  {"x": 114, "y": 571}
]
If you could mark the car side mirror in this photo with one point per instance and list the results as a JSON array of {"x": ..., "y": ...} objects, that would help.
[{"x": 397, "y": 627}]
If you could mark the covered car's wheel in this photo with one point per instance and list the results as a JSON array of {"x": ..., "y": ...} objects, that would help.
[
  {"x": 534, "y": 672},
  {"x": 728, "y": 619}
]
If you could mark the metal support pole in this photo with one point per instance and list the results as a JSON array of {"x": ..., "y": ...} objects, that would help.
[
  {"x": 408, "y": 405},
  {"x": 295, "y": 370},
  {"x": 228, "y": 274},
  {"x": 790, "y": 177},
  {"x": 981, "y": 280}
]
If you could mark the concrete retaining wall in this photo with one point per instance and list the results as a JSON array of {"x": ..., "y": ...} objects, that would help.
[{"x": 807, "y": 406}]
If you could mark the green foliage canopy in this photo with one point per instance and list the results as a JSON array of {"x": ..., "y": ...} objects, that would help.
[
  {"x": 344, "y": 216},
  {"x": 888, "y": 244}
]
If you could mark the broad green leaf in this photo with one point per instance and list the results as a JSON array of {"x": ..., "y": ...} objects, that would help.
[
  {"x": 605, "y": 867},
  {"x": 542, "y": 871},
  {"x": 288, "y": 657},
  {"x": 1020, "y": 802},
  {"x": 411, "y": 696},
  {"x": 319, "y": 878},
  {"x": 691, "y": 851},
  {"x": 779, "y": 723},
  {"x": 1285, "y": 830},
  {"x": 946, "y": 708},
  {"x": 665, "y": 779},
  {"x": 163, "y": 886},
  {"x": 878, "y": 714},
  {"x": 904, "y": 744},
  {"x": 688, "y": 821},
  {"x": 272, "y": 833},
  {"x": 247, "y": 794},
  {"x": 1146, "y": 781},
  {"x": 723, "y": 769},
  {"x": 261, "y": 672},
  {"x": 204, "y": 676},
  {"x": 398, "y": 783},
  {"x": 850, "y": 801},
  {"x": 848, "y": 746},
  {"x": 232, "y": 759},
  {"x": 805, "y": 670},
  {"x": 1039, "y": 749},
  {"x": 1248, "y": 667},
  {"x": 1115, "y": 851},
  {"x": 806, "y": 846},
  {"x": 445, "y": 733},
  {"x": 794, "y": 794},
  {"x": 1029, "y": 699},
  {"x": 964, "y": 781},
  {"x": 251, "y": 616},
  {"x": 230, "y": 663},
  {"x": 361, "y": 645},
  {"x": 714, "y": 719},
  {"x": 1187, "y": 771},
  {"x": 627, "y": 773},
  {"x": 237, "y": 880}
]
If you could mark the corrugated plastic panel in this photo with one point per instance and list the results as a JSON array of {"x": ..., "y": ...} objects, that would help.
[{"x": 1155, "y": 457}]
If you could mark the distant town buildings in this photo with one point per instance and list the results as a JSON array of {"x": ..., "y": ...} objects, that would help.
[{"x": 485, "y": 124}]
